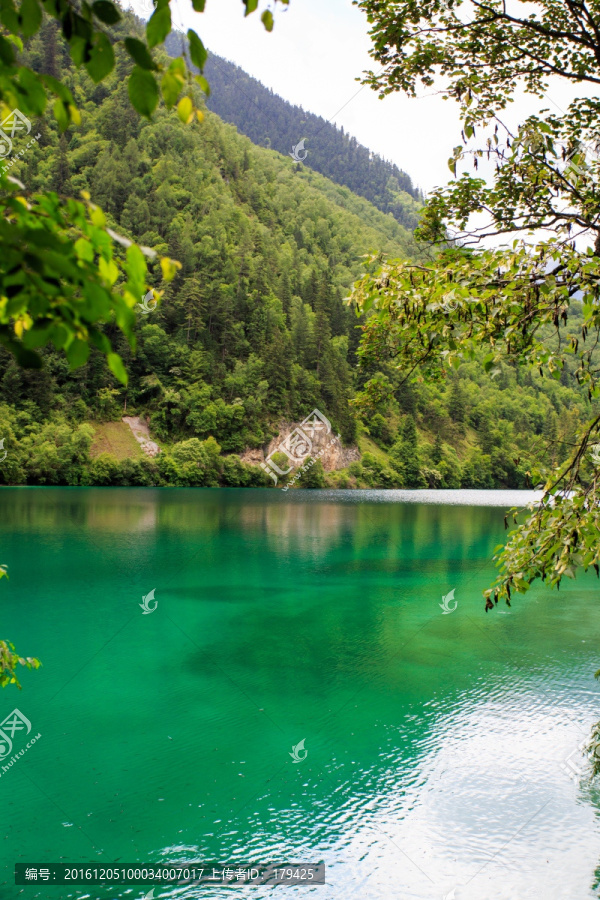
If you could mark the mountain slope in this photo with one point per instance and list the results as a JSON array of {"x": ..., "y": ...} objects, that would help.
[
  {"x": 253, "y": 329},
  {"x": 253, "y": 332},
  {"x": 270, "y": 121}
]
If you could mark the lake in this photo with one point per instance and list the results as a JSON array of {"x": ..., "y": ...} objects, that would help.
[{"x": 440, "y": 750}]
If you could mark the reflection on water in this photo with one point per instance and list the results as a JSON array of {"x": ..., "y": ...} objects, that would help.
[
  {"x": 436, "y": 743},
  {"x": 144, "y": 509}
]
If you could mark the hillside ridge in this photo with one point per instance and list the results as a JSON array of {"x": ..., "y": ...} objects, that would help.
[{"x": 271, "y": 121}]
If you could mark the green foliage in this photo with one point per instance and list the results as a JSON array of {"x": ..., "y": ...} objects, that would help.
[
  {"x": 313, "y": 475},
  {"x": 526, "y": 305},
  {"x": 405, "y": 457},
  {"x": 198, "y": 462},
  {"x": 252, "y": 328},
  {"x": 271, "y": 122},
  {"x": 238, "y": 474},
  {"x": 559, "y": 537},
  {"x": 380, "y": 429},
  {"x": 9, "y": 658},
  {"x": 61, "y": 280},
  {"x": 104, "y": 470},
  {"x": 60, "y": 277},
  {"x": 53, "y": 453},
  {"x": 63, "y": 272},
  {"x": 375, "y": 474},
  {"x": 54, "y": 290}
]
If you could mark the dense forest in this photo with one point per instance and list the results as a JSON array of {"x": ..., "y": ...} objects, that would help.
[
  {"x": 270, "y": 121},
  {"x": 254, "y": 331}
]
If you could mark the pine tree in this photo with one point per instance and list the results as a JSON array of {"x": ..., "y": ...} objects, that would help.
[{"x": 456, "y": 402}]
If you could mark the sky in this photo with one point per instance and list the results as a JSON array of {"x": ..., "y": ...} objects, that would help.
[{"x": 313, "y": 56}]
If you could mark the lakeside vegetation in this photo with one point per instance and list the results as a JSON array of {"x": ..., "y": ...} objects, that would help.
[{"x": 253, "y": 330}]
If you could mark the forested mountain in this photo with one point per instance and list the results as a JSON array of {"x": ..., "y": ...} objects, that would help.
[
  {"x": 253, "y": 331},
  {"x": 270, "y": 121}
]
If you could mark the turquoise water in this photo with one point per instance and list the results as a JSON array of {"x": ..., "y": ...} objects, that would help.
[{"x": 438, "y": 746}]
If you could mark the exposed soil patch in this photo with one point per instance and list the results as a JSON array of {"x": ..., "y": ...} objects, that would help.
[{"x": 141, "y": 433}]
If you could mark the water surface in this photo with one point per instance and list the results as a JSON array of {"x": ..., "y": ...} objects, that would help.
[{"x": 439, "y": 746}]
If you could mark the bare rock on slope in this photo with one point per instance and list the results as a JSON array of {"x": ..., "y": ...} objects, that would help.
[
  {"x": 141, "y": 433},
  {"x": 327, "y": 447}
]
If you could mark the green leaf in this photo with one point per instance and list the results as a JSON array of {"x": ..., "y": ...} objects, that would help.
[
  {"x": 39, "y": 335},
  {"x": 143, "y": 92},
  {"x": 99, "y": 340},
  {"x": 31, "y": 17},
  {"x": 136, "y": 270},
  {"x": 198, "y": 5},
  {"x": 27, "y": 358},
  {"x": 61, "y": 90},
  {"x": 171, "y": 88},
  {"x": 159, "y": 26},
  {"x": 102, "y": 59},
  {"x": 169, "y": 268},
  {"x": 84, "y": 250},
  {"x": 198, "y": 52},
  {"x": 77, "y": 353},
  {"x": 9, "y": 17},
  {"x": 115, "y": 364},
  {"x": 250, "y": 6},
  {"x": 106, "y": 12},
  {"x": 201, "y": 80},
  {"x": 185, "y": 110},
  {"x": 267, "y": 19},
  {"x": 108, "y": 270},
  {"x": 36, "y": 95},
  {"x": 7, "y": 51},
  {"x": 61, "y": 114},
  {"x": 139, "y": 53},
  {"x": 80, "y": 49}
]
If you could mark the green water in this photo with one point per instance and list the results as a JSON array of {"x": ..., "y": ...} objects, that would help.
[{"x": 437, "y": 744}]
